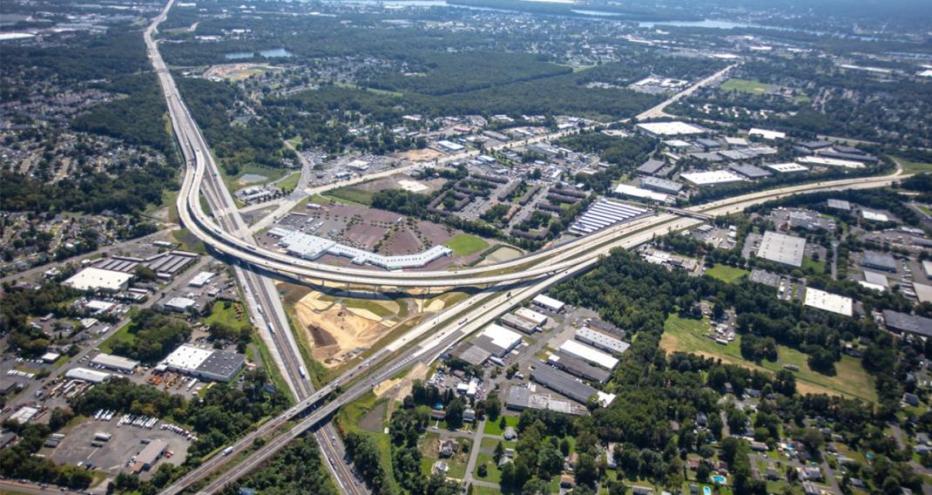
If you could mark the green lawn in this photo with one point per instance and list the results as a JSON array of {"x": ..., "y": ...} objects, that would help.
[
  {"x": 815, "y": 267},
  {"x": 348, "y": 420},
  {"x": 270, "y": 174},
  {"x": 290, "y": 182},
  {"x": 233, "y": 315},
  {"x": 912, "y": 167},
  {"x": 350, "y": 195},
  {"x": 685, "y": 335},
  {"x": 492, "y": 428},
  {"x": 745, "y": 86},
  {"x": 725, "y": 273},
  {"x": 188, "y": 241},
  {"x": 121, "y": 335},
  {"x": 494, "y": 475},
  {"x": 466, "y": 244}
]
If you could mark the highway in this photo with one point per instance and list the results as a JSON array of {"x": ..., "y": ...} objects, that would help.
[{"x": 260, "y": 294}]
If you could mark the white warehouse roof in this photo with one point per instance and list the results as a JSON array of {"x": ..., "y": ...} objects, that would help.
[
  {"x": 114, "y": 362},
  {"x": 87, "y": 375},
  {"x": 637, "y": 192},
  {"x": 601, "y": 340},
  {"x": 201, "y": 279},
  {"x": 531, "y": 315},
  {"x": 673, "y": 128},
  {"x": 549, "y": 302},
  {"x": 782, "y": 248},
  {"x": 501, "y": 336},
  {"x": 186, "y": 358},
  {"x": 711, "y": 177},
  {"x": 827, "y": 301},
  {"x": 92, "y": 278},
  {"x": 590, "y": 354},
  {"x": 767, "y": 134},
  {"x": 830, "y": 162},
  {"x": 786, "y": 168}
]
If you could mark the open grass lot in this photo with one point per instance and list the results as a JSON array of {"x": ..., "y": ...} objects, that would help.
[
  {"x": 290, "y": 182},
  {"x": 271, "y": 174},
  {"x": 230, "y": 314},
  {"x": 351, "y": 195},
  {"x": 493, "y": 428},
  {"x": 725, "y": 273},
  {"x": 121, "y": 335},
  {"x": 466, "y": 244},
  {"x": 684, "y": 335},
  {"x": 350, "y": 419},
  {"x": 912, "y": 167},
  {"x": 745, "y": 86},
  {"x": 188, "y": 241},
  {"x": 813, "y": 266}
]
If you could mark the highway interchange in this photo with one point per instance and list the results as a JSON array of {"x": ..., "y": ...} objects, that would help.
[{"x": 505, "y": 285}]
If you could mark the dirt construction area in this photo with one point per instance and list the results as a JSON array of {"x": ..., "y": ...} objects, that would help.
[{"x": 338, "y": 329}]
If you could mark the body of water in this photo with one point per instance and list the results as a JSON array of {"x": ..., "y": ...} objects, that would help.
[{"x": 273, "y": 53}]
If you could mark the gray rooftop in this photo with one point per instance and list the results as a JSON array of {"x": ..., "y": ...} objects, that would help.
[
  {"x": 750, "y": 171},
  {"x": 562, "y": 383},
  {"x": 903, "y": 322},
  {"x": 221, "y": 365},
  {"x": 782, "y": 248},
  {"x": 881, "y": 261}
]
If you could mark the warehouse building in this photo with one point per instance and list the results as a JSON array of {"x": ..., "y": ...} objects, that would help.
[
  {"x": 907, "y": 323},
  {"x": 605, "y": 213},
  {"x": 838, "y": 204},
  {"x": 201, "y": 279},
  {"x": 475, "y": 355},
  {"x": 787, "y": 168},
  {"x": 94, "y": 279},
  {"x": 670, "y": 128},
  {"x": 827, "y": 301},
  {"x": 630, "y": 191},
  {"x": 86, "y": 375},
  {"x": 207, "y": 364},
  {"x": 116, "y": 363},
  {"x": 749, "y": 171},
  {"x": 878, "y": 261},
  {"x": 766, "y": 134},
  {"x": 529, "y": 314},
  {"x": 589, "y": 354},
  {"x": 782, "y": 248},
  {"x": 651, "y": 167},
  {"x": 830, "y": 162},
  {"x": 521, "y": 398},
  {"x": 711, "y": 178},
  {"x": 562, "y": 383},
  {"x": 548, "y": 303},
  {"x": 661, "y": 185},
  {"x": 600, "y": 340},
  {"x": 498, "y": 340},
  {"x": 578, "y": 367},
  {"x": 514, "y": 321},
  {"x": 311, "y": 247},
  {"x": 149, "y": 455}
]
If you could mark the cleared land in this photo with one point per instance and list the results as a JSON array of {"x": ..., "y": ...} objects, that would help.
[
  {"x": 684, "y": 335},
  {"x": 725, "y": 273},
  {"x": 466, "y": 244},
  {"x": 351, "y": 195},
  {"x": 746, "y": 86},
  {"x": 912, "y": 167}
]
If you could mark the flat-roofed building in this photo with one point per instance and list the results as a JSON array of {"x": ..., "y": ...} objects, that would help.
[
  {"x": 829, "y": 162},
  {"x": 97, "y": 279},
  {"x": 670, "y": 128},
  {"x": 711, "y": 178},
  {"x": 651, "y": 167},
  {"x": 838, "y": 204},
  {"x": 661, "y": 185},
  {"x": 117, "y": 363},
  {"x": 577, "y": 367},
  {"x": 750, "y": 171},
  {"x": 903, "y": 322},
  {"x": 589, "y": 354},
  {"x": 521, "y": 398},
  {"x": 766, "y": 134},
  {"x": 782, "y": 248},
  {"x": 826, "y": 301},
  {"x": 498, "y": 340},
  {"x": 604, "y": 213},
  {"x": 201, "y": 279},
  {"x": 601, "y": 340},
  {"x": 878, "y": 261},
  {"x": 923, "y": 292},
  {"x": 630, "y": 191},
  {"x": 514, "y": 321},
  {"x": 548, "y": 303},
  {"x": 208, "y": 364},
  {"x": 529, "y": 314},
  {"x": 149, "y": 455},
  {"x": 787, "y": 168},
  {"x": 475, "y": 355},
  {"x": 562, "y": 383},
  {"x": 86, "y": 375}
]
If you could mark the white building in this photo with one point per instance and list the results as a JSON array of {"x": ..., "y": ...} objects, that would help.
[
  {"x": 201, "y": 279},
  {"x": 787, "y": 168},
  {"x": 767, "y": 134},
  {"x": 589, "y": 354},
  {"x": 112, "y": 362},
  {"x": 501, "y": 339},
  {"x": 782, "y": 248},
  {"x": 548, "y": 303},
  {"x": 600, "y": 340},
  {"x": 87, "y": 375},
  {"x": 637, "y": 192},
  {"x": 24, "y": 415},
  {"x": 311, "y": 247},
  {"x": 827, "y": 301},
  {"x": 532, "y": 316},
  {"x": 97, "y": 279},
  {"x": 711, "y": 178},
  {"x": 670, "y": 128},
  {"x": 830, "y": 162}
]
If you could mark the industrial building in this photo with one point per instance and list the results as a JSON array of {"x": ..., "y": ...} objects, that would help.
[
  {"x": 711, "y": 178},
  {"x": 639, "y": 193},
  {"x": 498, "y": 340},
  {"x": 874, "y": 216},
  {"x": 589, "y": 354},
  {"x": 827, "y": 301},
  {"x": 878, "y": 261},
  {"x": 180, "y": 304},
  {"x": 97, "y": 279},
  {"x": 531, "y": 315},
  {"x": 578, "y": 367},
  {"x": 165, "y": 265},
  {"x": 562, "y": 383},
  {"x": 830, "y": 162},
  {"x": 782, "y": 248},
  {"x": 671, "y": 128},
  {"x": 749, "y": 171},
  {"x": 521, "y": 398},
  {"x": 766, "y": 134},
  {"x": 906, "y": 323},
  {"x": 201, "y": 279},
  {"x": 605, "y": 213},
  {"x": 149, "y": 455},
  {"x": 601, "y": 341},
  {"x": 838, "y": 204},
  {"x": 116, "y": 363},
  {"x": 518, "y": 323},
  {"x": 787, "y": 168},
  {"x": 548, "y": 303},
  {"x": 651, "y": 167},
  {"x": 475, "y": 355},
  {"x": 311, "y": 247},
  {"x": 661, "y": 185},
  {"x": 86, "y": 375},
  {"x": 207, "y": 364}
]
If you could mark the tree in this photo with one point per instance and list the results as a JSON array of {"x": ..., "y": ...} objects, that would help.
[
  {"x": 454, "y": 413},
  {"x": 549, "y": 461},
  {"x": 482, "y": 471},
  {"x": 493, "y": 406},
  {"x": 498, "y": 453}
]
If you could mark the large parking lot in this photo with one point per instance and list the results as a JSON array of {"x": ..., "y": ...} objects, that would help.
[{"x": 113, "y": 456}]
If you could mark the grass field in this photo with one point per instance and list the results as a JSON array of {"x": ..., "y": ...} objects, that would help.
[
  {"x": 121, "y": 335},
  {"x": 350, "y": 195},
  {"x": 492, "y": 427},
  {"x": 270, "y": 174},
  {"x": 725, "y": 273},
  {"x": 466, "y": 244},
  {"x": 290, "y": 182},
  {"x": 851, "y": 379},
  {"x": 912, "y": 167},
  {"x": 816, "y": 267},
  {"x": 349, "y": 418},
  {"x": 234, "y": 316},
  {"x": 745, "y": 86}
]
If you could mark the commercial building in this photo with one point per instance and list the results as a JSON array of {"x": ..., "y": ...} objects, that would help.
[
  {"x": 601, "y": 340},
  {"x": 311, "y": 247},
  {"x": 766, "y": 134},
  {"x": 787, "y": 168},
  {"x": 605, "y": 213},
  {"x": 838, "y": 204},
  {"x": 180, "y": 304},
  {"x": 711, "y": 178},
  {"x": 878, "y": 261},
  {"x": 562, "y": 383},
  {"x": 827, "y": 301},
  {"x": 651, "y": 167},
  {"x": 201, "y": 279},
  {"x": 923, "y": 292},
  {"x": 548, "y": 303},
  {"x": 207, "y": 364},
  {"x": 450, "y": 146},
  {"x": 529, "y": 314},
  {"x": 24, "y": 414},
  {"x": 906, "y": 323},
  {"x": 578, "y": 367},
  {"x": 116, "y": 363},
  {"x": 498, "y": 340},
  {"x": 149, "y": 455},
  {"x": 750, "y": 171},
  {"x": 589, "y": 354},
  {"x": 874, "y": 216},
  {"x": 86, "y": 375},
  {"x": 521, "y": 398},
  {"x": 830, "y": 162},
  {"x": 876, "y": 279},
  {"x": 639, "y": 193},
  {"x": 661, "y": 185},
  {"x": 97, "y": 279},
  {"x": 670, "y": 128},
  {"x": 927, "y": 268},
  {"x": 782, "y": 248},
  {"x": 475, "y": 355},
  {"x": 514, "y": 321}
]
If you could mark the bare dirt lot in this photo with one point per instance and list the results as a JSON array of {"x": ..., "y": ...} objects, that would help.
[
  {"x": 422, "y": 155},
  {"x": 235, "y": 72}
]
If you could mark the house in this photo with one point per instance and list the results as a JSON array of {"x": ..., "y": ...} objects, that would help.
[
  {"x": 447, "y": 448},
  {"x": 510, "y": 433},
  {"x": 469, "y": 415}
]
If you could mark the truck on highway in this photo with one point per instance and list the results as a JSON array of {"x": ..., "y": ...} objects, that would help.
[
  {"x": 302, "y": 371},
  {"x": 228, "y": 451}
]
